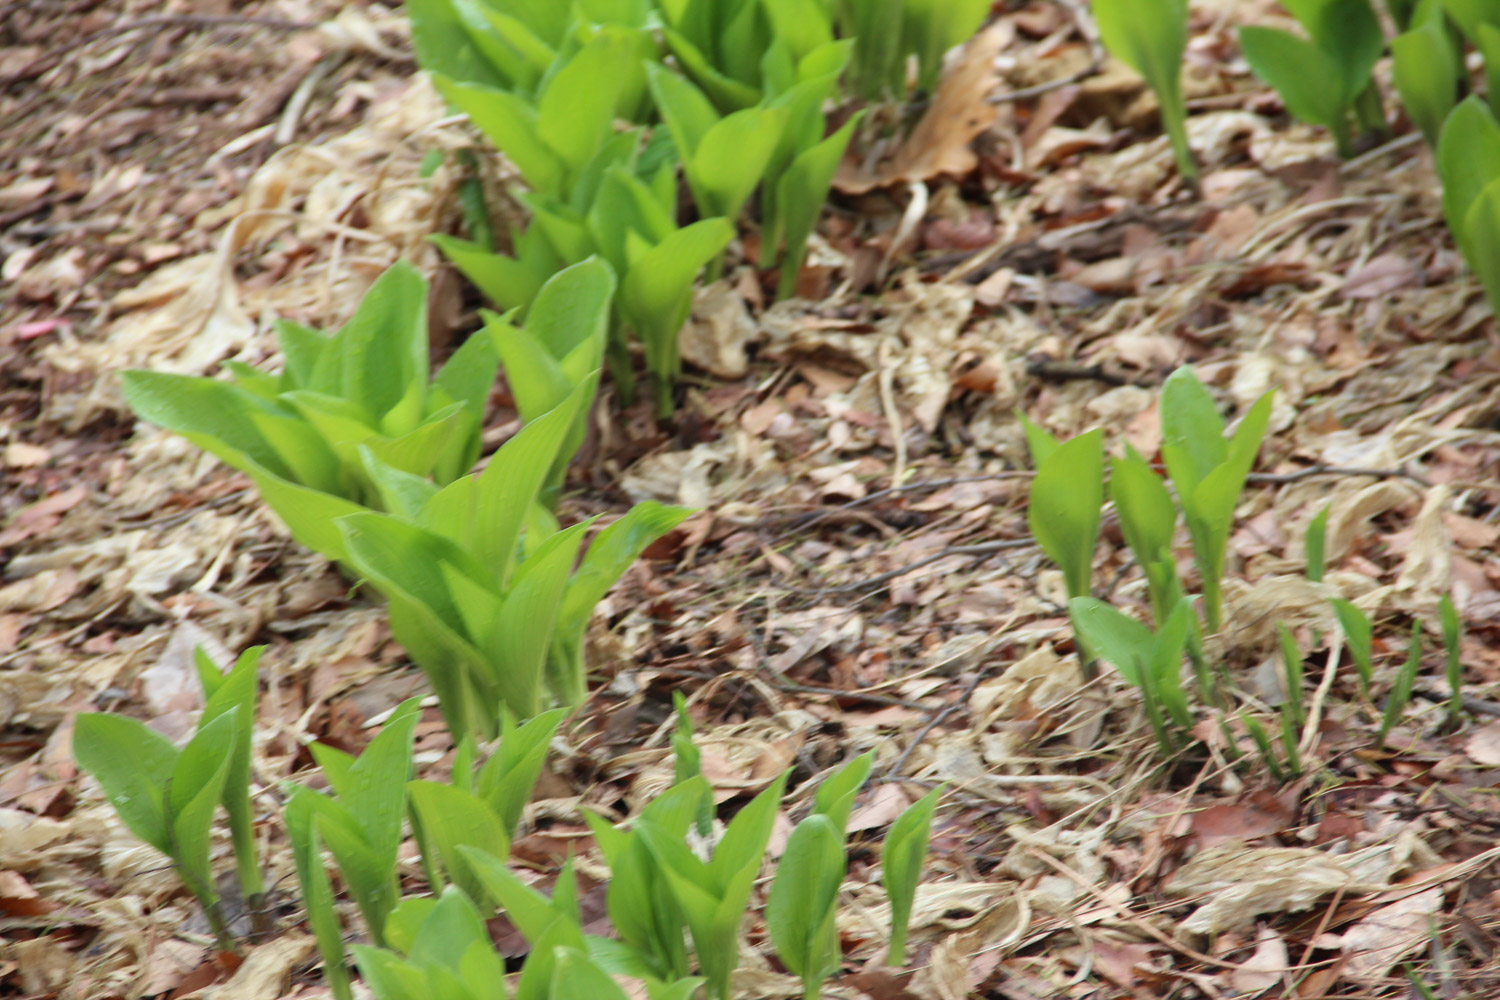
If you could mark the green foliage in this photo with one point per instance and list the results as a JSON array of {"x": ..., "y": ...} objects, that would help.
[
  {"x": 888, "y": 33},
  {"x": 901, "y": 861},
  {"x": 442, "y": 952},
  {"x": 1064, "y": 510},
  {"x": 1406, "y": 677},
  {"x": 480, "y": 811},
  {"x": 483, "y": 587},
  {"x": 1317, "y": 536},
  {"x": 1323, "y": 78},
  {"x": 1468, "y": 158},
  {"x": 1358, "y": 634},
  {"x": 1208, "y": 472},
  {"x": 1148, "y": 522},
  {"x": 165, "y": 796},
  {"x": 360, "y": 825},
  {"x": 312, "y": 437},
  {"x": 1150, "y": 36},
  {"x": 559, "y": 350},
  {"x": 233, "y": 694},
  {"x": 1452, "y": 643},
  {"x": 1427, "y": 71},
  {"x": 1150, "y": 661},
  {"x": 713, "y": 894},
  {"x": 803, "y": 902}
]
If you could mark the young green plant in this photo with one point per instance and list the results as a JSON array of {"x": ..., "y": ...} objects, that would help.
[
  {"x": 1150, "y": 36},
  {"x": 360, "y": 825},
  {"x": 713, "y": 894},
  {"x": 1150, "y": 661},
  {"x": 558, "y": 351},
  {"x": 1427, "y": 69},
  {"x": 803, "y": 901},
  {"x": 480, "y": 811},
  {"x": 165, "y": 796},
  {"x": 1359, "y": 636},
  {"x": 485, "y": 592},
  {"x": 303, "y": 435},
  {"x": 1324, "y": 79},
  {"x": 1452, "y": 644},
  {"x": 901, "y": 861},
  {"x": 1209, "y": 473},
  {"x": 1468, "y": 159},
  {"x": 233, "y": 694},
  {"x": 1401, "y": 687}
]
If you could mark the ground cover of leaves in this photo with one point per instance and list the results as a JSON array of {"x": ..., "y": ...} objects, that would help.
[{"x": 860, "y": 577}]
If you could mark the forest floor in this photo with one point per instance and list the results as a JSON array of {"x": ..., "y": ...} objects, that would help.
[{"x": 861, "y": 575}]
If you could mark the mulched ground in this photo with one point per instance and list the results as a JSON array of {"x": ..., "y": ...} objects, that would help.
[{"x": 861, "y": 576}]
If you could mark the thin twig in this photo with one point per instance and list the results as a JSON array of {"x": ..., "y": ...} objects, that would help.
[
  {"x": 979, "y": 549},
  {"x": 894, "y": 773},
  {"x": 1334, "y": 470}
]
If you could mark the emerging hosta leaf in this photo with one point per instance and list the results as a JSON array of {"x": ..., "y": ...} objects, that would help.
[
  {"x": 804, "y": 900},
  {"x": 1150, "y": 37},
  {"x": 1066, "y": 497},
  {"x": 1425, "y": 69},
  {"x": 901, "y": 867}
]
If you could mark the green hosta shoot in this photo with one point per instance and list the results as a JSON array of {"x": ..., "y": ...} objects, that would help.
[
  {"x": 1064, "y": 509},
  {"x": 555, "y": 138},
  {"x": 1150, "y": 36},
  {"x": 1427, "y": 69},
  {"x": 1148, "y": 522},
  {"x": 1358, "y": 635},
  {"x": 1209, "y": 473},
  {"x": 360, "y": 825},
  {"x": 163, "y": 795},
  {"x": 1468, "y": 158},
  {"x": 485, "y": 592},
  {"x": 307, "y": 437},
  {"x": 442, "y": 952},
  {"x": 1406, "y": 678},
  {"x": 559, "y": 350},
  {"x": 480, "y": 811},
  {"x": 1150, "y": 661},
  {"x": 1452, "y": 643},
  {"x": 713, "y": 895},
  {"x": 1316, "y": 540},
  {"x": 723, "y": 158},
  {"x": 803, "y": 902},
  {"x": 901, "y": 860},
  {"x": 301, "y": 820},
  {"x": 720, "y": 44},
  {"x": 642, "y": 904},
  {"x": 1323, "y": 79},
  {"x": 233, "y": 693}
]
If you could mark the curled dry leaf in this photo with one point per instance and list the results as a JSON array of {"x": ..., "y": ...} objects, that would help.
[
  {"x": 1241, "y": 883},
  {"x": 960, "y": 111}
]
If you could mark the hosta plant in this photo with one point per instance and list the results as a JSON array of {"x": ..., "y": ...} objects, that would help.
[
  {"x": 361, "y": 827},
  {"x": 1427, "y": 69},
  {"x": 167, "y": 796},
  {"x": 479, "y": 809},
  {"x": 485, "y": 592},
  {"x": 307, "y": 436},
  {"x": 1150, "y": 36},
  {"x": 1150, "y": 660},
  {"x": 1325, "y": 78},
  {"x": 1208, "y": 471},
  {"x": 558, "y": 351},
  {"x": 1468, "y": 158}
]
